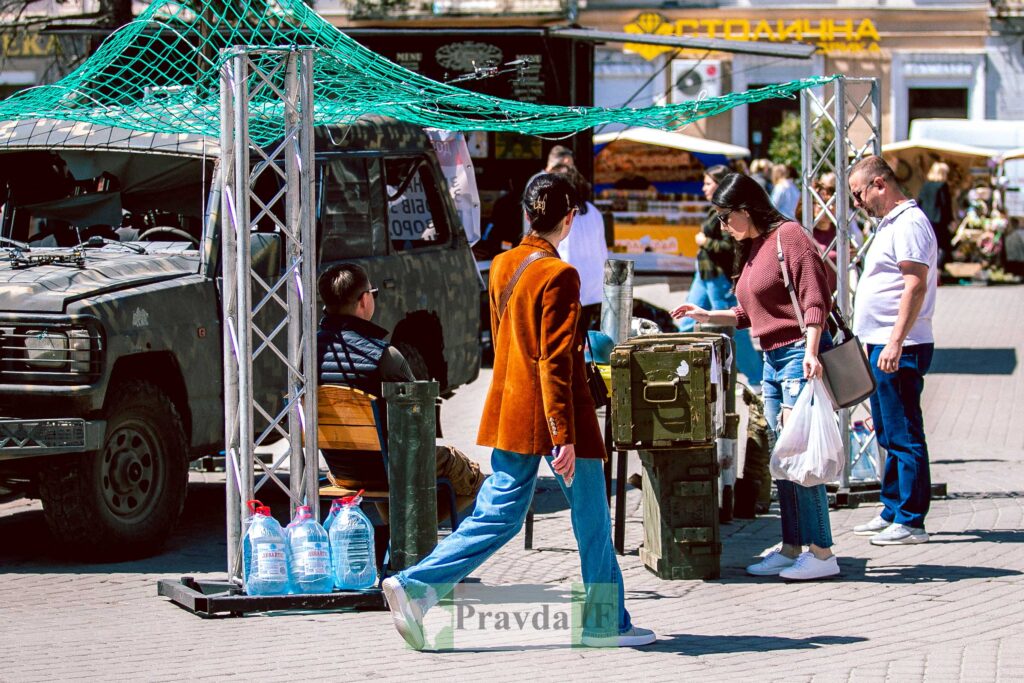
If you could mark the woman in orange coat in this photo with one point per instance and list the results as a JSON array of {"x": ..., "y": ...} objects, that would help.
[{"x": 538, "y": 405}]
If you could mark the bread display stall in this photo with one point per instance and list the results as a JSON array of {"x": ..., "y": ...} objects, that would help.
[{"x": 651, "y": 182}]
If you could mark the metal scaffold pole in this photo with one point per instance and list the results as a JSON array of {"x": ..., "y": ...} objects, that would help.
[
  {"x": 269, "y": 343},
  {"x": 849, "y": 109}
]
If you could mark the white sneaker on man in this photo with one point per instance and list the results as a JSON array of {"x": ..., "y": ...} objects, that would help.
[
  {"x": 871, "y": 528},
  {"x": 634, "y": 637},
  {"x": 807, "y": 567},
  {"x": 900, "y": 534},
  {"x": 405, "y": 612},
  {"x": 772, "y": 563}
]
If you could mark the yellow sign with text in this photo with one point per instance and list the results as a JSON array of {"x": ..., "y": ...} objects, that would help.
[{"x": 832, "y": 36}]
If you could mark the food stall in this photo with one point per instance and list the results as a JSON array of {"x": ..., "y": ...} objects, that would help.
[
  {"x": 911, "y": 160},
  {"x": 651, "y": 181}
]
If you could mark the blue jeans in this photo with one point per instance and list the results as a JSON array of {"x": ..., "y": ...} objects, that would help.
[
  {"x": 501, "y": 508},
  {"x": 899, "y": 426},
  {"x": 716, "y": 294},
  {"x": 803, "y": 509}
]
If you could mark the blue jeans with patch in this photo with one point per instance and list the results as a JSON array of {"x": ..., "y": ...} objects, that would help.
[
  {"x": 899, "y": 426},
  {"x": 501, "y": 508},
  {"x": 716, "y": 295},
  {"x": 803, "y": 509}
]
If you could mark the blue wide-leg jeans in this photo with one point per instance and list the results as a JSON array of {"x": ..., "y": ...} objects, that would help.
[
  {"x": 501, "y": 508},
  {"x": 899, "y": 426}
]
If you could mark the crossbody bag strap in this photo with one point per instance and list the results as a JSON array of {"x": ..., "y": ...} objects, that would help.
[
  {"x": 788, "y": 282},
  {"x": 506, "y": 293}
]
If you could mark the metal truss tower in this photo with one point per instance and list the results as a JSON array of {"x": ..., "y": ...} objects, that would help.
[
  {"x": 269, "y": 313},
  {"x": 839, "y": 125}
]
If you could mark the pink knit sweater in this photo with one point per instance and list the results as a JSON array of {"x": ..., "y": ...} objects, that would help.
[{"x": 764, "y": 304}]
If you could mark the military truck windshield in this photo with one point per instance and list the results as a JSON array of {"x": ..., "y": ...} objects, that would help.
[{"x": 63, "y": 199}]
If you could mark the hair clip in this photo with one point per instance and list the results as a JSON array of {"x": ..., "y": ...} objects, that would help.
[{"x": 539, "y": 204}]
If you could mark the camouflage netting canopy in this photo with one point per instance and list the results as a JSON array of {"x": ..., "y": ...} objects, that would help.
[{"x": 160, "y": 74}]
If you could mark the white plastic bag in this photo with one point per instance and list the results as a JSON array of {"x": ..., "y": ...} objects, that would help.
[{"x": 810, "y": 448}]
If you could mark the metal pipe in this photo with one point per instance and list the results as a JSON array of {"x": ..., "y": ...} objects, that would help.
[
  {"x": 229, "y": 308},
  {"x": 617, "y": 304},
  {"x": 307, "y": 234}
]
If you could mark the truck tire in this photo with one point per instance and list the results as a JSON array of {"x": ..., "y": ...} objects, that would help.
[
  {"x": 123, "y": 501},
  {"x": 415, "y": 359}
]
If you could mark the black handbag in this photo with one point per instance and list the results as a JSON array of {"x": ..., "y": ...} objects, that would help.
[
  {"x": 595, "y": 382},
  {"x": 845, "y": 367}
]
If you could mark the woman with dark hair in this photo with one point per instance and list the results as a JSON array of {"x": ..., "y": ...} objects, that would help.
[
  {"x": 712, "y": 283},
  {"x": 791, "y": 341},
  {"x": 538, "y": 406}
]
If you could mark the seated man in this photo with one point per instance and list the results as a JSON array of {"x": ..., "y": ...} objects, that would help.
[{"x": 352, "y": 351}]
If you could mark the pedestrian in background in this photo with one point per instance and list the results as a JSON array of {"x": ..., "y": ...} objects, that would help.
[
  {"x": 712, "y": 282},
  {"x": 538, "y": 406},
  {"x": 585, "y": 248},
  {"x": 791, "y": 354},
  {"x": 760, "y": 170},
  {"x": 785, "y": 195},
  {"x": 936, "y": 201},
  {"x": 892, "y": 314}
]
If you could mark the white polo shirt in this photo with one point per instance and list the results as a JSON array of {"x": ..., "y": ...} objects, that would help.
[{"x": 903, "y": 235}]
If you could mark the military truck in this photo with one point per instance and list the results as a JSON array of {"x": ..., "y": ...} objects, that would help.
[{"x": 110, "y": 313}]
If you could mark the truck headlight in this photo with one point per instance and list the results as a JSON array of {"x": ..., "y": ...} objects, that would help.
[
  {"x": 68, "y": 350},
  {"x": 80, "y": 350},
  {"x": 46, "y": 349}
]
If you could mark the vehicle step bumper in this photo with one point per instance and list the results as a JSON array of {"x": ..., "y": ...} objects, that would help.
[{"x": 49, "y": 436}]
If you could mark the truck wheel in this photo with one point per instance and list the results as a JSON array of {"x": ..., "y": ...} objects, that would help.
[
  {"x": 122, "y": 501},
  {"x": 415, "y": 359}
]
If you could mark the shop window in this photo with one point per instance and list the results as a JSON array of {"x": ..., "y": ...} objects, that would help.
[
  {"x": 936, "y": 103},
  {"x": 415, "y": 210},
  {"x": 350, "y": 225}
]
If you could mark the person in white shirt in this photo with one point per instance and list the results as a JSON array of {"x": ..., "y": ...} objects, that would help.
[
  {"x": 892, "y": 315},
  {"x": 585, "y": 248},
  {"x": 785, "y": 195}
]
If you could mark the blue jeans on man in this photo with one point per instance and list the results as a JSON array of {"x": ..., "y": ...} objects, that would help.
[
  {"x": 899, "y": 427},
  {"x": 716, "y": 294},
  {"x": 501, "y": 507}
]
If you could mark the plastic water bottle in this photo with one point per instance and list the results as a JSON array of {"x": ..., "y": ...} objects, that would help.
[
  {"x": 265, "y": 554},
  {"x": 864, "y": 467},
  {"x": 352, "y": 551},
  {"x": 310, "y": 554},
  {"x": 333, "y": 514}
]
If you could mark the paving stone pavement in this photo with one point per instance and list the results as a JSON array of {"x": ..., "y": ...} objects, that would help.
[{"x": 946, "y": 610}]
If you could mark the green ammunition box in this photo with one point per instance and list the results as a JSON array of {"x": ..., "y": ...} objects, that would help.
[
  {"x": 662, "y": 395},
  {"x": 680, "y": 504}
]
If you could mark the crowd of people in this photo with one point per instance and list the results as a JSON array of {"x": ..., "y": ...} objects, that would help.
[{"x": 538, "y": 405}]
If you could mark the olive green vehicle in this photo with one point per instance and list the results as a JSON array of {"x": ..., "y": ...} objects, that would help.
[{"x": 110, "y": 313}]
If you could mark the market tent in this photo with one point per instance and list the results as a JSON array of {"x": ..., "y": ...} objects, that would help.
[
  {"x": 663, "y": 138},
  {"x": 673, "y": 162},
  {"x": 911, "y": 160}
]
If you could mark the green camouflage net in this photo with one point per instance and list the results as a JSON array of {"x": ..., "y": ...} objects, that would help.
[{"x": 160, "y": 74}]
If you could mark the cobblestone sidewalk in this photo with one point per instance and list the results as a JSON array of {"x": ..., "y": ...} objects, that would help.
[{"x": 947, "y": 610}]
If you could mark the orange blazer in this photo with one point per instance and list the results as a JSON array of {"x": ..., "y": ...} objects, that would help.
[{"x": 538, "y": 396}]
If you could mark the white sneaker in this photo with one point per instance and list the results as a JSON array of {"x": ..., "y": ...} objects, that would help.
[
  {"x": 872, "y": 527},
  {"x": 772, "y": 563},
  {"x": 900, "y": 534},
  {"x": 808, "y": 567},
  {"x": 634, "y": 637},
  {"x": 404, "y": 612}
]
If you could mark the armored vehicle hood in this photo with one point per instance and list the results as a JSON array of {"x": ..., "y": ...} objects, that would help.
[{"x": 52, "y": 287}]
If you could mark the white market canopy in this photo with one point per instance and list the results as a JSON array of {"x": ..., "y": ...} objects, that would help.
[
  {"x": 687, "y": 143},
  {"x": 939, "y": 146}
]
